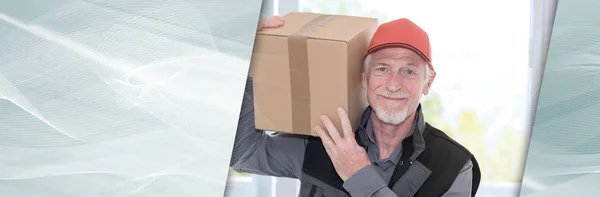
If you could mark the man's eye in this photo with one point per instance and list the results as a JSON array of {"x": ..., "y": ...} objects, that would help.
[
  {"x": 410, "y": 72},
  {"x": 381, "y": 69}
]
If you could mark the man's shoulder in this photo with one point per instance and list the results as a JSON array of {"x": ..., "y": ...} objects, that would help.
[
  {"x": 439, "y": 140},
  {"x": 454, "y": 153}
]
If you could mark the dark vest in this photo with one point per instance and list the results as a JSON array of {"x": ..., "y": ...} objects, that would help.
[{"x": 430, "y": 174}]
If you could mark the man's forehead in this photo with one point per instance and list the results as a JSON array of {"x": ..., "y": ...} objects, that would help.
[{"x": 397, "y": 53}]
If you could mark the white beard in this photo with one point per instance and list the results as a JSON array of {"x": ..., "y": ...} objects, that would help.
[{"x": 396, "y": 118}]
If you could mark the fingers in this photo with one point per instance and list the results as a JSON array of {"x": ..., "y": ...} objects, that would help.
[
  {"x": 327, "y": 141},
  {"x": 277, "y": 19},
  {"x": 332, "y": 137},
  {"x": 346, "y": 126},
  {"x": 261, "y": 25},
  {"x": 272, "y": 22},
  {"x": 331, "y": 129}
]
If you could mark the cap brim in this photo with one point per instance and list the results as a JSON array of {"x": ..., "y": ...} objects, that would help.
[{"x": 399, "y": 44}]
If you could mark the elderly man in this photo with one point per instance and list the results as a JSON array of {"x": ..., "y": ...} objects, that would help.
[{"x": 394, "y": 152}]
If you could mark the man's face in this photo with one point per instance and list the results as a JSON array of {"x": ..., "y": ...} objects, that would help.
[{"x": 395, "y": 79}]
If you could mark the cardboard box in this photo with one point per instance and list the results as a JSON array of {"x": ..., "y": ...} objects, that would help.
[{"x": 309, "y": 67}]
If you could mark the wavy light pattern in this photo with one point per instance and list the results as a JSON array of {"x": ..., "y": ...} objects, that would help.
[
  {"x": 564, "y": 154},
  {"x": 121, "y": 97}
]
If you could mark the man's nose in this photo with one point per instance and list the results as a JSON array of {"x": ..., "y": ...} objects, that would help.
[{"x": 394, "y": 83}]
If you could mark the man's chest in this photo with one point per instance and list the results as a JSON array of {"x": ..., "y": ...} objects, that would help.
[{"x": 384, "y": 166}]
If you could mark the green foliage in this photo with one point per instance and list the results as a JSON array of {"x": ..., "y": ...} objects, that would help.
[
  {"x": 234, "y": 173},
  {"x": 343, "y": 9},
  {"x": 500, "y": 161},
  {"x": 432, "y": 110}
]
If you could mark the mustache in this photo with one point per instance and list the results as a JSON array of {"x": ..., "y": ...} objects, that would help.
[{"x": 398, "y": 95}]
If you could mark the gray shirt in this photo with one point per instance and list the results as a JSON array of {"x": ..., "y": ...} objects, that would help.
[{"x": 282, "y": 155}]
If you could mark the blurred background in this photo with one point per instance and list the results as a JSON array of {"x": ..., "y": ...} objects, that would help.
[{"x": 488, "y": 55}]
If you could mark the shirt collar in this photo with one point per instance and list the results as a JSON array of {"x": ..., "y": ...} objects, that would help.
[{"x": 418, "y": 125}]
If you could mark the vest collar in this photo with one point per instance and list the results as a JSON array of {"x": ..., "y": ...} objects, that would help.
[{"x": 417, "y": 130}]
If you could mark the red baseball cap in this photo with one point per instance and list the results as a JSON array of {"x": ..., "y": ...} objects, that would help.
[{"x": 401, "y": 33}]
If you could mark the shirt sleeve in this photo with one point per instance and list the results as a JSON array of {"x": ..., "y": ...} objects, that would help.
[
  {"x": 462, "y": 185},
  {"x": 368, "y": 183},
  {"x": 256, "y": 152}
]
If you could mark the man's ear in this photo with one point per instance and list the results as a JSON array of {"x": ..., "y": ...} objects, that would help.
[
  {"x": 364, "y": 80},
  {"x": 428, "y": 85}
]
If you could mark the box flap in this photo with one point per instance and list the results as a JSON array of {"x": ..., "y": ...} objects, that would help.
[{"x": 327, "y": 27}]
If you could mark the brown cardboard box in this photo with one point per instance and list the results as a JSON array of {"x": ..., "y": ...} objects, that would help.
[{"x": 309, "y": 67}]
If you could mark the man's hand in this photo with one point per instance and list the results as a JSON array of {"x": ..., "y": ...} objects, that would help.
[
  {"x": 271, "y": 22},
  {"x": 345, "y": 153}
]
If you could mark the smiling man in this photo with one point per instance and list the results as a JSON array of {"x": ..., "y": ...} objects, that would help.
[{"x": 394, "y": 152}]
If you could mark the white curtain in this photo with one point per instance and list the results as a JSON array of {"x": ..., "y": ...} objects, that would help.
[{"x": 542, "y": 20}]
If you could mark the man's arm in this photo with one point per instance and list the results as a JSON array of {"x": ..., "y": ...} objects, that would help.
[
  {"x": 256, "y": 152},
  {"x": 462, "y": 186},
  {"x": 368, "y": 183}
]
